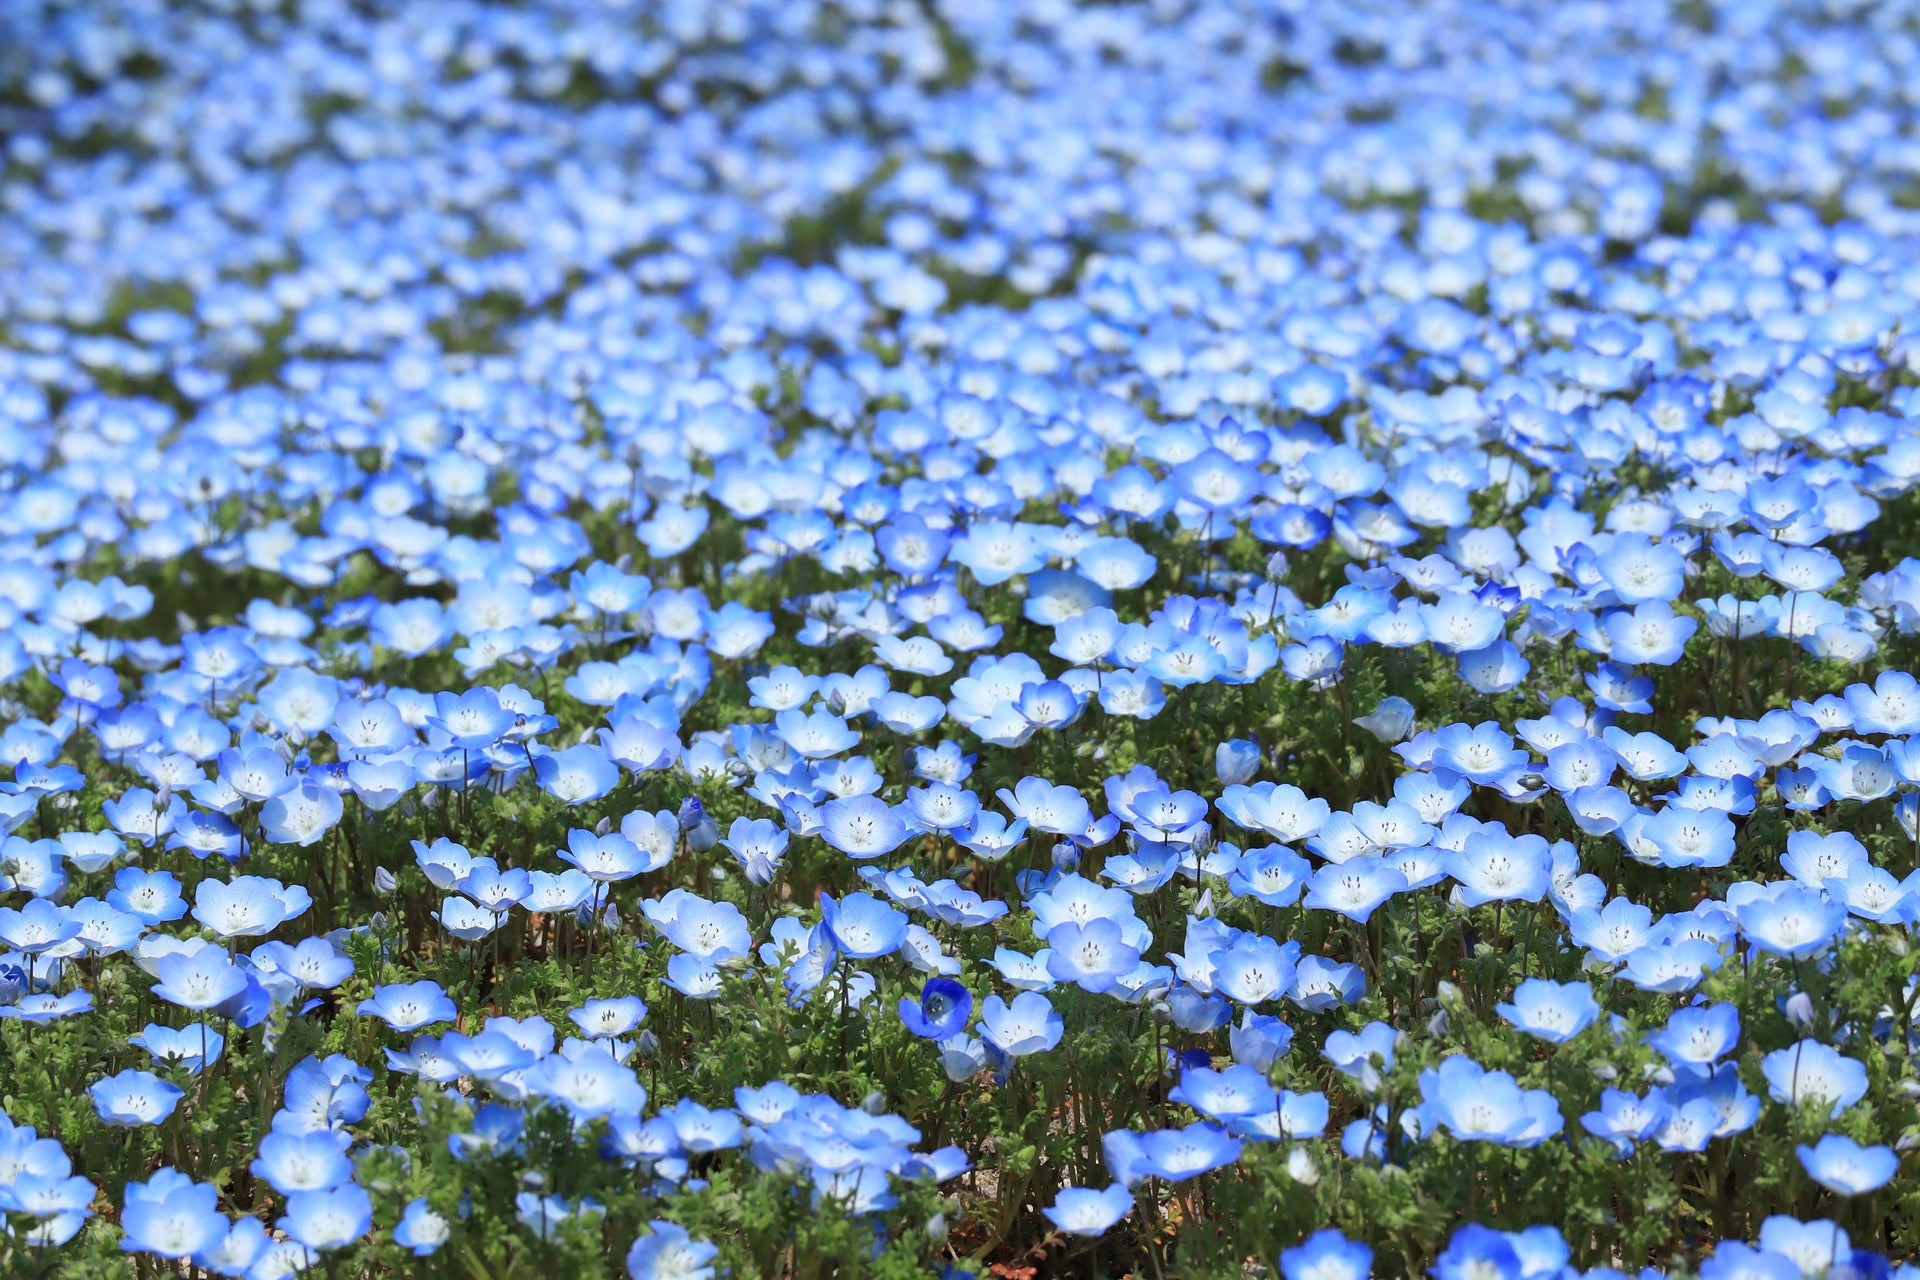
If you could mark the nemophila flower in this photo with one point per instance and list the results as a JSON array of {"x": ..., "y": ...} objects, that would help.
[
  {"x": 328, "y": 1219},
  {"x": 200, "y": 979},
  {"x": 862, "y": 826},
  {"x": 1280, "y": 810},
  {"x": 1861, "y": 773},
  {"x": 1494, "y": 669},
  {"x": 1891, "y": 705},
  {"x": 1615, "y": 688},
  {"x": 1083, "y": 1212},
  {"x": 143, "y": 816},
  {"x": 1813, "y": 1248},
  {"x": 863, "y": 927},
  {"x": 258, "y": 774},
  {"x": 1492, "y": 866},
  {"x": 1028, "y": 1025},
  {"x": 1846, "y": 1168},
  {"x": 133, "y": 1098},
  {"x": 1651, "y": 635},
  {"x": 43, "y": 1006},
  {"x": 1320, "y": 984},
  {"x": 604, "y": 858},
  {"x": 1789, "y": 919},
  {"x": 1474, "y": 1104},
  {"x": 668, "y": 1252},
  {"x": 640, "y": 745},
  {"x": 38, "y": 927},
  {"x": 1673, "y": 967},
  {"x": 247, "y": 906},
  {"x": 1641, "y": 571},
  {"x": 309, "y": 1161},
  {"x": 301, "y": 816},
  {"x": 941, "y": 1012},
  {"x": 1698, "y": 1036},
  {"x": 1550, "y": 1011},
  {"x": 1811, "y": 1072},
  {"x": 1363, "y": 1055},
  {"x": 1625, "y": 1119},
  {"x": 1178, "y": 1155},
  {"x": 1680, "y": 837},
  {"x": 171, "y": 1216},
  {"x": 1475, "y": 1251},
  {"x": 579, "y": 775},
  {"x": 422, "y": 1230},
  {"x": 1094, "y": 955},
  {"x": 190, "y": 1048},
  {"x": 1234, "y": 1094},
  {"x": 1327, "y": 1255},
  {"x": 1733, "y": 1260},
  {"x": 408, "y": 1006},
  {"x": 1390, "y": 721},
  {"x": 467, "y": 920}
]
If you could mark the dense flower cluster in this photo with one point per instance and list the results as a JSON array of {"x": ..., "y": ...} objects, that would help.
[{"x": 785, "y": 637}]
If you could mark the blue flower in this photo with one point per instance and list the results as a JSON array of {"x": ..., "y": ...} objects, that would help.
[
  {"x": 1026, "y": 1026},
  {"x": 1813, "y": 1073},
  {"x": 1698, "y": 1036},
  {"x": 134, "y": 1098},
  {"x": 1551, "y": 1011},
  {"x": 1180, "y": 1154},
  {"x": 1474, "y": 1104},
  {"x": 1327, "y": 1255},
  {"x": 579, "y": 775},
  {"x": 421, "y": 1230},
  {"x": 408, "y": 1006},
  {"x": 1790, "y": 920},
  {"x": 668, "y": 1252},
  {"x": 1478, "y": 1253},
  {"x": 863, "y": 927},
  {"x": 329, "y": 1219},
  {"x": 941, "y": 1012},
  {"x": 315, "y": 1160},
  {"x": 1083, "y": 1212},
  {"x": 171, "y": 1216},
  {"x": 1846, "y": 1168}
]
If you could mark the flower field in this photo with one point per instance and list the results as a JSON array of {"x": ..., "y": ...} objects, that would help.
[{"x": 785, "y": 639}]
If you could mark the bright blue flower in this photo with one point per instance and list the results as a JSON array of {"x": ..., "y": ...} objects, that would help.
[
  {"x": 1698, "y": 1036},
  {"x": 1180, "y": 1154},
  {"x": 1811, "y": 1072},
  {"x": 1478, "y": 1253},
  {"x": 1026, "y": 1026},
  {"x": 172, "y": 1216},
  {"x": 1790, "y": 920},
  {"x": 941, "y": 1012},
  {"x": 310, "y": 1161},
  {"x": 327, "y": 1220},
  {"x": 1474, "y": 1104},
  {"x": 409, "y": 1006},
  {"x": 1551, "y": 1011},
  {"x": 421, "y": 1230},
  {"x": 134, "y": 1098},
  {"x": 1083, "y": 1212},
  {"x": 667, "y": 1252},
  {"x": 1327, "y": 1255},
  {"x": 579, "y": 775},
  {"x": 1846, "y": 1168}
]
